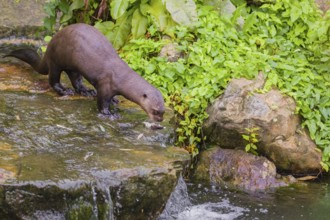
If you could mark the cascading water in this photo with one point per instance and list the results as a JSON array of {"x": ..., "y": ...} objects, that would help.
[
  {"x": 183, "y": 206},
  {"x": 178, "y": 202}
]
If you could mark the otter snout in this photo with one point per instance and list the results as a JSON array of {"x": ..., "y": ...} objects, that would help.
[{"x": 157, "y": 117}]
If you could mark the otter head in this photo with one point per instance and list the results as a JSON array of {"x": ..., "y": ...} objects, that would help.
[{"x": 153, "y": 104}]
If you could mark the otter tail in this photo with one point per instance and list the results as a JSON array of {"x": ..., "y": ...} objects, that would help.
[{"x": 31, "y": 57}]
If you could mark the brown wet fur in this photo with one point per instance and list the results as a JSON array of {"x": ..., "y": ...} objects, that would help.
[{"x": 82, "y": 51}]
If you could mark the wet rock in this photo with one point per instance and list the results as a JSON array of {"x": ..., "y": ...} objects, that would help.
[
  {"x": 60, "y": 160},
  {"x": 237, "y": 169},
  {"x": 281, "y": 138},
  {"x": 21, "y": 18}
]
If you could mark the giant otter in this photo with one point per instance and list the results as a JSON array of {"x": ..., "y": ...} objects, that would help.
[{"x": 81, "y": 50}]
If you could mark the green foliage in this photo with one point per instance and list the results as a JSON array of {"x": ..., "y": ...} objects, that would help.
[
  {"x": 72, "y": 12},
  {"x": 127, "y": 17},
  {"x": 295, "y": 37},
  {"x": 287, "y": 40},
  {"x": 251, "y": 138}
]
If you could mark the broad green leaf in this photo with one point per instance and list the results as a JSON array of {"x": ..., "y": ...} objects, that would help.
[
  {"x": 121, "y": 31},
  {"x": 295, "y": 14},
  {"x": 246, "y": 137},
  {"x": 144, "y": 7},
  {"x": 105, "y": 27},
  {"x": 272, "y": 31},
  {"x": 49, "y": 22},
  {"x": 76, "y": 4},
  {"x": 64, "y": 6},
  {"x": 183, "y": 11},
  {"x": 249, "y": 22},
  {"x": 139, "y": 24},
  {"x": 158, "y": 14},
  {"x": 118, "y": 8}
]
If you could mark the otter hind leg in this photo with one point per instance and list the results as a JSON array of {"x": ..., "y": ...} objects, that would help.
[
  {"x": 77, "y": 83},
  {"x": 54, "y": 81}
]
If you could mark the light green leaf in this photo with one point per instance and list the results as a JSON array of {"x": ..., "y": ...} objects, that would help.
[
  {"x": 118, "y": 8},
  {"x": 47, "y": 38},
  {"x": 105, "y": 27},
  {"x": 139, "y": 24},
  {"x": 183, "y": 11},
  {"x": 246, "y": 137},
  {"x": 250, "y": 22},
  {"x": 121, "y": 31},
  {"x": 158, "y": 14},
  {"x": 295, "y": 13}
]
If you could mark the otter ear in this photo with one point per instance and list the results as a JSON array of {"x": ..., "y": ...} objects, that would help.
[{"x": 145, "y": 96}]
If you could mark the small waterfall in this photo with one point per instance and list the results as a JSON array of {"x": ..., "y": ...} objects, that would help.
[
  {"x": 101, "y": 195},
  {"x": 110, "y": 204},
  {"x": 95, "y": 210},
  {"x": 177, "y": 203}
]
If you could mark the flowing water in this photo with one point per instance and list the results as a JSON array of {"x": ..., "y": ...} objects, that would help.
[{"x": 307, "y": 200}]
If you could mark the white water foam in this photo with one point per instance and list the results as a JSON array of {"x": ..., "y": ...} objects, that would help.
[{"x": 212, "y": 211}]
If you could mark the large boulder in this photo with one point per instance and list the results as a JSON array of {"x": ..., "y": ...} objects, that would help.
[
  {"x": 237, "y": 169},
  {"x": 281, "y": 137}
]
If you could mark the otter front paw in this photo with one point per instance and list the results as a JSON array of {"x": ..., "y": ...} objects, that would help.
[
  {"x": 106, "y": 113},
  {"x": 65, "y": 92},
  {"x": 61, "y": 90}
]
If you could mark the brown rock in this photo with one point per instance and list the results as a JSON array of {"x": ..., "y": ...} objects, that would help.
[
  {"x": 280, "y": 135},
  {"x": 238, "y": 170}
]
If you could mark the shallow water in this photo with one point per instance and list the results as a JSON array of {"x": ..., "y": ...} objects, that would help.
[{"x": 308, "y": 200}]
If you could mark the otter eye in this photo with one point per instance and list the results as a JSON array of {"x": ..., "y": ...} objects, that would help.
[
  {"x": 155, "y": 112},
  {"x": 145, "y": 96}
]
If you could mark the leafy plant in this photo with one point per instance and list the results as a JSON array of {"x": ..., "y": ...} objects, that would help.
[
  {"x": 296, "y": 38},
  {"x": 252, "y": 139},
  {"x": 120, "y": 19},
  {"x": 288, "y": 48},
  {"x": 287, "y": 40}
]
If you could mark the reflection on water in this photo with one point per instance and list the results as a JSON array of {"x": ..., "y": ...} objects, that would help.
[{"x": 309, "y": 200}]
